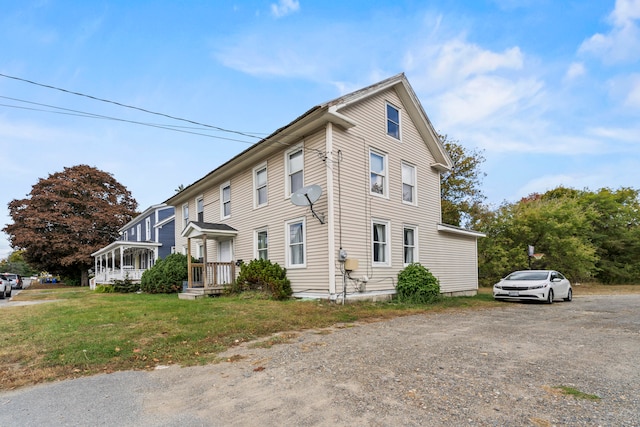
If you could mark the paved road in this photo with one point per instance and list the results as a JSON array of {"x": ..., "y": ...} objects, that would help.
[{"x": 490, "y": 367}]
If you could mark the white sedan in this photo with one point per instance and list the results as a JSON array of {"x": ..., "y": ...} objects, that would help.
[{"x": 538, "y": 285}]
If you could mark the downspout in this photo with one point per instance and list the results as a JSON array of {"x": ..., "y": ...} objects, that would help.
[{"x": 331, "y": 235}]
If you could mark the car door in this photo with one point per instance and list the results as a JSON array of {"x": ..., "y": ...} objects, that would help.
[{"x": 560, "y": 285}]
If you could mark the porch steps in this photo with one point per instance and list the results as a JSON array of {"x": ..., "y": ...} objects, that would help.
[{"x": 195, "y": 293}]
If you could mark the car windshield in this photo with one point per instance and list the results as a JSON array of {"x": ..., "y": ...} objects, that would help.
[{"x": 528, "y": 275}]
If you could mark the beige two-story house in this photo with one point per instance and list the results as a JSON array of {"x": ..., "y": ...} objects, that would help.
[{"x": 343, "y": 197}]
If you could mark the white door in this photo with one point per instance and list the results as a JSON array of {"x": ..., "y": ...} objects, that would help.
[{"x": 225, "y": 254}]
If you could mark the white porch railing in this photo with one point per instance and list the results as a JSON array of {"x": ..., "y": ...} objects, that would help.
[{"x": 108, "y": 276}]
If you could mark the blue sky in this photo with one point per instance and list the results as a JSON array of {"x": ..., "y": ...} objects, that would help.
[{"x": 548, "y": 89}]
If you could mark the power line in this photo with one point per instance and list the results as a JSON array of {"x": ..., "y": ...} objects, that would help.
[
  {"x": 70, "y": 112},
  {"x": 129, "y": 106}
]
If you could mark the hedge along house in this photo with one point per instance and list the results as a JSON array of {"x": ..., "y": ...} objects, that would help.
[
  {"x": 143, "y": 240},
  {"x": 344, "y": 197}
]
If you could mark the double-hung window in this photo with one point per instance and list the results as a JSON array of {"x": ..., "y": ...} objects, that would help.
[
  {"x": 295, "y": 169},
  {"x": 225, "y": 200},
  {"x": 408, "y": 184},
  {"x": 262, "y": 244},
  {"x": 185, "y": 215},
  {"x": 139, "y": 232},
  {"x": 147, "y": 224},
  {"x": 260, "y": 185},
  {"x": 378, "y": 169},
  {"x": 380, "y": 242},
  {"x": 295, "y": 232},
  {"x": 393, "y": 121},
  {"x": 200, "y": 208},
  {"x": 410, "y": 244}
]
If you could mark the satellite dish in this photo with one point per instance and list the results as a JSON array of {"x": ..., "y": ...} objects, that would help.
[{"x": 307, "y": 196}]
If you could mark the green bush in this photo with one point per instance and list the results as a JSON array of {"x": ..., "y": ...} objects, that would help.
[
  {"x": 105, "y": 289},
  {"x": 125, "y": 286},
  {"x": 264, "y": 276},
  {"x": 417, "y": 285},
  {"x": 166, "y": 276}
]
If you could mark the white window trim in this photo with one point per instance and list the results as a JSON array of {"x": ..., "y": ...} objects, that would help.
[
  {"x": 185, "y": 220},
  {"x": 287, "y": 181},
  {"x": 222, "y": 187},
  {"x": 256, "y": 203},
  {"x": 415, "y": 184},
  {"x": 147, "y": 224},
  {"x": 256, "y": 253},
  {"x": 385, "y": 189},
  {"x": 126, "y": 236},
  {"x": 416, "y": 251},
  {"x": 139, "y": 232},
  {"x": 287, "y": 243},
  {"x": 386, "y": 121},
  {"x": 200, "y": 197},
  {"x": 387, "y": 254}
]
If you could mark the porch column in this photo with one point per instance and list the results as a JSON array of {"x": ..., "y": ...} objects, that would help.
[
  {"x": 204, "y": 259},
  {"x": 122, "y": 263},
  {"x": 189, "y": 268}
]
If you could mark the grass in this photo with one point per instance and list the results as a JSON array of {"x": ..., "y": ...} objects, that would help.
[
  {"x": 85, "y": 333},
  {"x": 570, "y": 391}
]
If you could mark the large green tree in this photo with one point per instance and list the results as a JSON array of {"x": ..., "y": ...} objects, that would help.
[
  {"x": 16, "y": 264},
  {"x": 460, "y": 188},
  {"x": 68, "y": 216}
]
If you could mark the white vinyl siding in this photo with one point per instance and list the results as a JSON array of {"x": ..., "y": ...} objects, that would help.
[
  {"x": 225, "y": 200},
  {"x": 296, "y": 246},
  {"x": 409, "y": 184},
  {"x": 260, "y": 186},
  {"x": 378, "y": 169},
  {"x": 294, "y": 163},
  {"x": 380, "y": 243}
]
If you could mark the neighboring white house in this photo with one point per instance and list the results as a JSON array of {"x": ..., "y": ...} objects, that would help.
[
  {"x": 143, "y": 240},
  {"x": 370, "y": 162}
]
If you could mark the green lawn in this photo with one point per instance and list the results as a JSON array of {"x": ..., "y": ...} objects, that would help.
[{"x": 84, "y": 333}]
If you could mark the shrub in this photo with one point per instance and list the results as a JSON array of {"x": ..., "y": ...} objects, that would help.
[
  {"x": 417, "y": 285},
  {"x": 166, "y": 276},
  {"x": 104, "y": 289},
  {"x": 125, "y": 286},
  {"x": 264, "y": 276}
]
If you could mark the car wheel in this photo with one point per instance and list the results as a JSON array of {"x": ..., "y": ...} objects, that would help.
[
  {"x": 569, "y": 296},
  {"x": 2, "y": 294},
  {"x": 550, "y": 297}
]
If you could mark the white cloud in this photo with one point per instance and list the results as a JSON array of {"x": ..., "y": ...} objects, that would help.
[
  {"x": 575, "y": 70},
  {"x": 622, "y": 43},
  {"x": 626, "y": 89},
  {"x": 284, "y": 7}
]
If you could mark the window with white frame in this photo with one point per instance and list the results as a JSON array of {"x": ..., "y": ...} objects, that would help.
[
  {"x": 410, "y": 244},
  {"x": 147, "y": 226},
  {"x": 200, "y": 252},
  {"x": 139, "y": 232},
  {"x": 295, "y": 232},
  {"x": 225, "y": 200},
  {"x": 200, "y": 208},
  {"x": 125, "y": 237},
  {"x": 408, "y": 183},
  {"x": 295, "y": 169},
  {"x": 185, "y": 215},
  {"x": 262, "y": 244},
  {"x": 260, "y": 185},
  {"x": 378, "y": 169},
  {"x": 380, "y": 242},
  {"x": 393, "y": 121}
]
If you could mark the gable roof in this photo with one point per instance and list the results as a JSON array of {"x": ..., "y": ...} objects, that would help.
[
  {"x": 199, "y": 228},
  {"x": 317, "y": 116}
]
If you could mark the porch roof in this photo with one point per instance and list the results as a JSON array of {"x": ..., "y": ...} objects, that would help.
[
  {"x": 125, "y": 244},
  {"x": 196, "y": 229}
]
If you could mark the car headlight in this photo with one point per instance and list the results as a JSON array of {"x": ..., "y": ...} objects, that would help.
[
  {"x": 540, "y": 286},
  {"x": 497, "y": 286}
]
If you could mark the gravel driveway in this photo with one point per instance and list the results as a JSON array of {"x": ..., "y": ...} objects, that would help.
[{"x": 494, "y": 367}]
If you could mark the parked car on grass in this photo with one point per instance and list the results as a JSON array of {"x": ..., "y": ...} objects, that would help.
[
  {"x": 5, "y": 287},
  {"x": 538, "y": 285}
]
